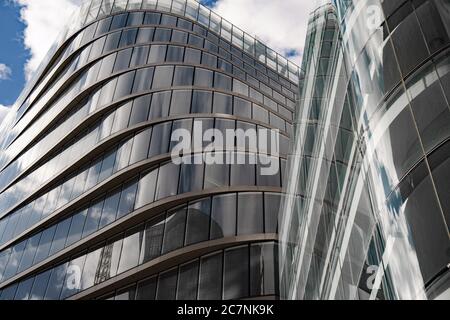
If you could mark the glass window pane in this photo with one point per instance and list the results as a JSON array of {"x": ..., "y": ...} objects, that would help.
[
  {"x": 201, "y": 101},
  {"x": 107, "y": 166},
  {"x": 106, "y": 68},
  {"x": 30, "y": 251},
  {"x": 93, "y": 173},
  {"x": 203, "y": 78},
  {"x": 123, "y": 155},
  {"x": 74, "y": 270},
  {"x": 209, "y": 60},
  {"x": 242, "y": 108},
  {"x": 93, "y": 218},
  {"x": 128, "y": 37},
  {"x": 162, "y": 35},
  {"x": 131, "y": 249},
  {"x": 188, "y": 281},
  {"x": 236, "y": 277},
  {"x": 126, "y": 294},
  {"x": 264, "y": 179},
  {"x": 122, "y": 118},
  {"x": 181, "y": 102},
  {"x": 119, "y": 21},
  {"x": 179, "y": 36},
  {"x": 272, "y": 203},
  {"x": 243, "y": 174},
  {"x": 143, "y": 80},
  {"x": 141, "y": 107},
  {"x": 127, "y": 198},
  {"x": 175, "y": 54},
  {"x": 146, "y": 189},
  {"x": 153, "y": 238},
  {"x": 40, "y": 285},
  {"x": 185, "y": 124},
  {"x": 183, "y": 76},
  {"x": 167, "y": 181},
  {"x": 250, "y": 213},
  {"x": 59, "y": 240},
  {"x": 145, "y": 35},
  {"x": 44, "y": 244},
  {"x": 163, "y": 77},
  {"x": 191, "y": 177},
  {"x": 240, "y": 87},
  {"x": 430, "y": 112},
  {"x": 146, "y": 290},
  {"x": 174, "y": 230},
  {"x": 110, "y": 207},
  {"x": 76, "y": 227},
  {"x": 112, "y": 43},
  {"x": 151, "y": 17},
  {"x": 90, "y": 269},
  {"x": 124, "y": 86},
  {"x": 217, "y": 175},
  {"x": 192, "y": 56},
  {"x": 14, "y": 260},
  {"x": 210, "y": 282},
  {"x": 9, "y": 292},
  {"x": 260, "y": 114},
  {"x": 222, "y": 81},
  {"x": 24, "y": 289},
  {"x": 140, "y": 56},
  {"x": 160, "y": 105},
  {"x": 160, "y": 139},
  {"x": 56, "y": 282},
  {"x": 223, "y": 216},
  {"x": 135, "y": 18},
  {"x": 157, "y": 54},
  {"x": 123, "y": 59},
  {"x": 223, "y": 103},
  {"x": 141, "y": 144},
  {"x": 167, "y": 284},
  {"x": 110, "y": 259},
  {"x": 263, "y": 269},
  {"x": 198, "y": 221}
]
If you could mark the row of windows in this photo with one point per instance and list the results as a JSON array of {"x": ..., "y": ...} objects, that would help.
[
  {"x": 141, "y": 80},
  {"x": 121, "y": 21},
  {"x": 143, "y": 243},
  {"x": 146, "y": 144},
  {"x": 214, "y": 24},
  {"x": 133, "y": 36},
  {"x": 192, "y": 56},
  {"x": 232, "y": 274},
  {"x": 237, "y": 272},
  {"x": 165, "y": 76},
  {"x": 198, "y": 221}
]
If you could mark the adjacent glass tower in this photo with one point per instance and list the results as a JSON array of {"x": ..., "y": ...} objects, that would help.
[
  {"x": 367, "y": 214},
  {"x": 91, "y": 204}
]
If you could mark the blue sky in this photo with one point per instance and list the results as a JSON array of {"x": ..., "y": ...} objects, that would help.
[
  {"x": 29, "y": 28},
  {"x": 13, "y": 53}
]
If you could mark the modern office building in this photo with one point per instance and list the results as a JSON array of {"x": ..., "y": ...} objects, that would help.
[
  {"x": 367, "y": 211},
  {"x": 92, "y": 205}
]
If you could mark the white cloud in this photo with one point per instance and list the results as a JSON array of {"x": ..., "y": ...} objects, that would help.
[
  {"x": 5, "y": 71},
  {"x": 281, "y": 24},
  {"x": 44, "y": 20},
  {"x": 3, "y": 112}
]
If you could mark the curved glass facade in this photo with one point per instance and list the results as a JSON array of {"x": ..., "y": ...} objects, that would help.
[
  {"x": 367, "y": 214},
  {"x": 92, "y": 205}
]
